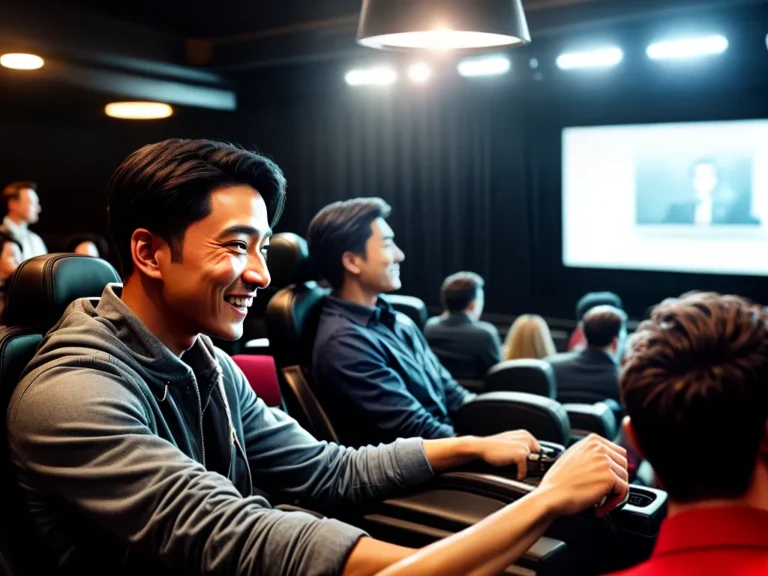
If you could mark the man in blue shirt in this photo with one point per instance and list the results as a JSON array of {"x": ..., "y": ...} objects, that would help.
[{"x": 373, "y": 361}]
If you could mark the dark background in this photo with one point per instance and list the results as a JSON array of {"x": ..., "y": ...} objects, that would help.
[{"x": 471, "y": 167}]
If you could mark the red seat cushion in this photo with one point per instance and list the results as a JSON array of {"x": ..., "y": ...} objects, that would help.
[
  {"x": 261, "y": 373},
  {"x": 577, "y": 342}
]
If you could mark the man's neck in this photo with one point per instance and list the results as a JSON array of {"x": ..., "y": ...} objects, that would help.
[
  {"x": 608, "y": 350},
  {"x": 139, "y": 294},
  {"x": 357, "y": 294},
  {"x": 16, "y": 220},
  {"x": 755, "y": 497}
]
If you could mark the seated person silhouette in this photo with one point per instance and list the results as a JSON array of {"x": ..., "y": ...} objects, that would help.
[
  {"x": 374, "y": 361},
  {"x": 467, "y": 347},
  {"x": 596, "y": 368},
  {"x": 137, "y": 445},
  {"x": 694, "y": 384},
  {"x": 10, "y": 258},
  {"x": 712, "y": 202},
  {"x": 528, "y": 337},
  {"x": 576, "y": 340}
]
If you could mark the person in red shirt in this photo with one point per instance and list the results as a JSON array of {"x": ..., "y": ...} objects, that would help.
[{"x": 695, "y": 385}]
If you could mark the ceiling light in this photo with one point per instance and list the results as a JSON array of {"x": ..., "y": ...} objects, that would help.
[
  {"x": 371, "y": 77},
  {"x": 21, "y": 61},
  {"x": 488, "y": 66},
  {"x": 687, "y": 48},
  {"x": 442, "y": 24},
  {"x": 138, "y": 110},
  {"x": 602, "y": 58},
  {"x": 420, "y": 72}
]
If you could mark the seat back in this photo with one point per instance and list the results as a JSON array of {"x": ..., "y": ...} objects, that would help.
[
  {"x": 38, "y": 293},
  {"x": 529, "y": 376},
  {"x": 411, "y": 306},
  {"x": 261, "y": 373}
]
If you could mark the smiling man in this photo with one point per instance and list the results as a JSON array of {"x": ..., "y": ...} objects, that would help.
[
  {"x": 373, "y": 361},
  {"x": 137, "y": 444}
]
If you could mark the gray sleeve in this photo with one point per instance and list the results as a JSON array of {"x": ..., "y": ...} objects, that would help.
[
  {"x": 289, "y": 460},
  {"x": 85, "y": 435}
]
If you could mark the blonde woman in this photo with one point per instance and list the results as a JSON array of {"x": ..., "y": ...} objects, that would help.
[{"x": 529, "y": 337}]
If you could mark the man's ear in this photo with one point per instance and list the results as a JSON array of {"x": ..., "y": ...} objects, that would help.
[
  {"x": 629, "y": 434},
  {"x": 150, "y": 253},
  {"x": 351, "y": 262}
]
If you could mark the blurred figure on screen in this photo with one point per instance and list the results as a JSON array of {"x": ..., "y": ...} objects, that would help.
[{"x": 712, "y": 202}]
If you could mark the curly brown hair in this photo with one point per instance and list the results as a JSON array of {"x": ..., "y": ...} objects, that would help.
[{"x": 695, "y": 384}]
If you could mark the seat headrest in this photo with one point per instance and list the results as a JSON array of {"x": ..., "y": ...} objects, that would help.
[
  {"x": 42, "y": 287},
  {"x": 530, "y": 376},
  {"x": 288, "y": 260}
]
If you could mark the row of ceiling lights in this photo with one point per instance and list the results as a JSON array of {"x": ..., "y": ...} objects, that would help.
[
  {"x": 420, "y": 72},
  {"x": 122, "y": 110}
]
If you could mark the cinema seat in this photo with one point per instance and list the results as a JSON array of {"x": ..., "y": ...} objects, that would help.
[
  {"x": 38, "y": 293},
  {"x": 537, "y": 377}
]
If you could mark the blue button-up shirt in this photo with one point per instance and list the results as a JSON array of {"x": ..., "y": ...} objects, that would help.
[{"x": 378, "y": 368}]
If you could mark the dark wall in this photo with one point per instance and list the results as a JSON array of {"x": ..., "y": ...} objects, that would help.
[{"x": 470, "y": 167}]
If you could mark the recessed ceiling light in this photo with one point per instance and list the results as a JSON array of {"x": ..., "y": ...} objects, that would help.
[
  {"x": 18, "y": 61},
  {"x": 138, "y": 110}
]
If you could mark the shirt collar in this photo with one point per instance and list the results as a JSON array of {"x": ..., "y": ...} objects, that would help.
[
  {"x": 13, "y": 227},
  {"x": 715, "y": 527},
  {"x": 362, "y": 315}
]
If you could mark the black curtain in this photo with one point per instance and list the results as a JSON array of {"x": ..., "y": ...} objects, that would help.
[{"x": 451, "y": 164}]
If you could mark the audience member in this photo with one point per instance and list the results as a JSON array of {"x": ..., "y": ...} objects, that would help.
[
  {"x": 529, "y": 337},
  {"x": 10, "y": 258},
  {"x": 591, "y": 299},
  {"x": 467, "y": 347},
  {"x": 594, "y": 371},
  {"x": 694, "y": 385},
  {"x": 22, "y": 207},
  {"x": 373, "y": 361},
  {"x": 137, "y": 445},
  {"x": 88, "y": 245}
]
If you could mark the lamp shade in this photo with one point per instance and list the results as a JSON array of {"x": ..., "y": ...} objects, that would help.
[{"x": 442, "y": 24}]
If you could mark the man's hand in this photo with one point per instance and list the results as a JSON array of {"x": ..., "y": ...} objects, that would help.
[
  {"x": 509, "y": 449},
  {"x": 592, "y": 472}
]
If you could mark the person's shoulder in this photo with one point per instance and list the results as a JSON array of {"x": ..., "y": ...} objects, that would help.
[
  {"x": 434, "y": 322},
  {"x": 562, "y": 358},
  {"x": 487, "y": 328}
]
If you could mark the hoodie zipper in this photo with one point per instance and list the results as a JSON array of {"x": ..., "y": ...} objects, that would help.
[{"x": 202, "y": 434}]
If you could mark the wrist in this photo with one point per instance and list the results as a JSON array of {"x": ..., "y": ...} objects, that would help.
[{"x": 551, "y": 498}]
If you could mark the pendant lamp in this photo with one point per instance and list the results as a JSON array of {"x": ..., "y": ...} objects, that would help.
[{"x": 442, "y": 24}]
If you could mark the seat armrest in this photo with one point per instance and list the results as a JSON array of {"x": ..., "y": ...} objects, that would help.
[
  {"x": 497, "y": 412},
  {"x": 597, "y": 418},
  {"x": 476, "y": 386}
]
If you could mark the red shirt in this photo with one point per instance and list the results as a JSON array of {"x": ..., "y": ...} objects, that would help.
[{"x": 717, "y": 541}]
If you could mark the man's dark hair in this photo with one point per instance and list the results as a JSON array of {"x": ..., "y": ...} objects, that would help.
[
  {"x": 342, "y": 227},
  {"x": 166, "y": 187},
  {"x": 459, "y": 290},
  {"x": 13, "y": 190},
  {"x": 602, "y": 324},
  {"x": 695, "y": 384},
  {"x": 592, "y": 299}
]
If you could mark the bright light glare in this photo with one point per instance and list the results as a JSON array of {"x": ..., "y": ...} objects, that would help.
[
  {"x": 440, "y": 39},
  {"x": 420, "y": 72},
  {"x": 603, "y": 58},
  {"x": 371, "y": 77},
  {"x": 21, "y": 61},
  {"x": 492, "y": 66},
  {"x": 138, "y": 110},
  {"x": 687, "y": 48}
]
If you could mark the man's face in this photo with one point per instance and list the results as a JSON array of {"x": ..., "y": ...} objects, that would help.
[
  {"x": 87, "y": 248},
  {"x": 379, "y": 270},
  {"x": 26, "y": 207},
  {"x": 10, "y": 258},
  {"x": 705, "y": 179},
  {"x": 223, "y": 263}
]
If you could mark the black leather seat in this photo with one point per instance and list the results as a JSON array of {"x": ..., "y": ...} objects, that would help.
[
  {"x": 411, "y": 306},
  {"x": 38, "y": 293},
  {"x": 537, "y": 377},
  {"x": 292, "y": 318}
]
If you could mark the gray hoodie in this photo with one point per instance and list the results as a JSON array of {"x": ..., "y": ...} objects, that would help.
[{"x": 132, "y": 460}]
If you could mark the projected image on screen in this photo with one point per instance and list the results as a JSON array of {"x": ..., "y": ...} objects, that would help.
[{"x": 670, "y": 197}]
